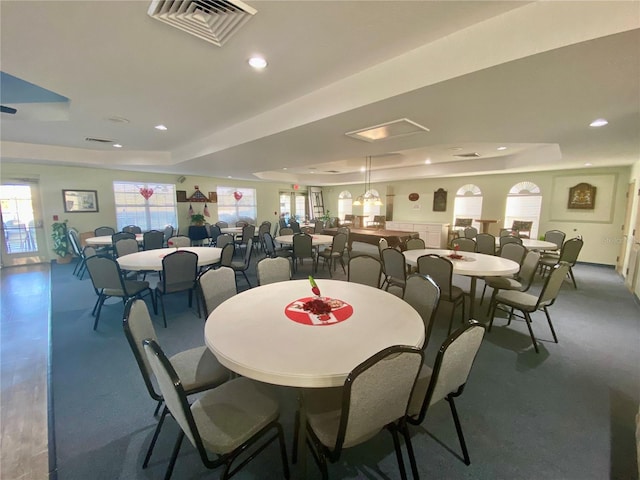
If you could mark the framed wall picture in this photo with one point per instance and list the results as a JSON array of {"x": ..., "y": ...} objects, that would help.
[
  {"x": 80, "y": 200},
  {"x": 440, "y": 200},
  {"x": 582, "y": 196}
]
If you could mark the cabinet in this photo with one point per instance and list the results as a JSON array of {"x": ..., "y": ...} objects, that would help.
[{"x": 433, "y": 234}]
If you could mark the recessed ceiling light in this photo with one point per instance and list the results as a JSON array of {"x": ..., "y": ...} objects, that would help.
[
  {"x": 284, "y": 168},
  {"x": 118, "y": 119},
  {"x": 428, "y": 161},
  {"x": 588, "y": 164},
  {"x": 160, "y": 127},
  {"x": 229, "y": 176},
  {"x": 258, "y": 63},
  {"x": 598, "y": 122},
  {"x": 362, "y": 169},
  {"x": 455, "y": 149},
  {"x": 501, "y": 148},
  {"x": 117, "y": 145}
]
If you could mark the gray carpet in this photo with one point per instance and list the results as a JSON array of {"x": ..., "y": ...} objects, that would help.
[{"x": 566, "y": 413}]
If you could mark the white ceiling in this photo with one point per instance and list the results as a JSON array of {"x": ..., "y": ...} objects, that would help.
[{"x": 530, "y": 76}]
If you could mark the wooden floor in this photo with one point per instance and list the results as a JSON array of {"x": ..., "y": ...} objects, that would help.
[{"x": 24, "y": 346}]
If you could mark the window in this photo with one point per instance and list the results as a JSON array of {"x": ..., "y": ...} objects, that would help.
[
  {"x": 235, "y": 204},
  {"x": 155, "y": 211},
  {"x": 345, "y": 204},
  {"x": 468, "y": 202},
  {"x": 524, "y": 202}
]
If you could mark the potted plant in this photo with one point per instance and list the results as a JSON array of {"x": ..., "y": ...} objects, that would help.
[
  {"x": 61, "y": 241},
  {"x": 197, "y": 219}
]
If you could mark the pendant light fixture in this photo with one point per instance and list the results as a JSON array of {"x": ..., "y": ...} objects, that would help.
[{"x": 368, "y": 197}]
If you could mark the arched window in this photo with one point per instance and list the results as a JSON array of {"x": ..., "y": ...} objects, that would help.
[
  {"x": 370, "y": 209},
  {"x": 523, "y": 204},
  {"x": 468, "y": 202},
  {"x": 344, "y": 204}
]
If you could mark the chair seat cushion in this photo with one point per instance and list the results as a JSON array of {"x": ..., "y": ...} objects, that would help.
[
  {"x": 419, "y": 391},
  {"x": 456, "y": 292},
  {"x": 520, "y": 300},
  {"x": 503, "y": 283},
  {"x": 133, "y": 288},
  {"x": 176, "y": 287},
  {"x": 232, "y": 413},
  {"x": 198, "y": 369}
]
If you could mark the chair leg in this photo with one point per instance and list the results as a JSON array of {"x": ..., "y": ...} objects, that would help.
[
  {"x": 456, "y": 420},
  {"x": 453, "y": 310},
  {"x": 553, "y": 332},
  {"x": 164, "y": 316},
  {"x": 410, "y": 452},
  {"x": 246, "y": 278},
  {"x": 174, "y": 455},
  {"x": 396, "y": 445},
  {"x": 155, "y": 412},
  {"x": 296, "y": 432},
  {"x": 527, "y": 317},
  {"x": 283, "y": 451},
  {"x": 156, "y": 433},
  {"x": 573, "y": 279},
  {"x": 100, "y": 303}
]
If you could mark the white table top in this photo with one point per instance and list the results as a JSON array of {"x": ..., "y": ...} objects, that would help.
[
  {"x": 231, "y": 230},
  {"x": 106, "y": 240},
  {"x": 316, "y": 240},
  {"x": 251, "y": 334},
  {"x": 472, "y": 264},
  {"x": 152, "y": 259}
]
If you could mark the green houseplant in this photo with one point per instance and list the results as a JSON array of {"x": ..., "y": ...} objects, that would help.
[
  {"x": 61, "y": 241},
  {"x": 197, "y": 219}
]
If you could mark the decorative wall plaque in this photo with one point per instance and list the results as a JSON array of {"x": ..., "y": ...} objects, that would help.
[
  {"x": 582, "y": 196},
  {"x": 440, "y": 200}
]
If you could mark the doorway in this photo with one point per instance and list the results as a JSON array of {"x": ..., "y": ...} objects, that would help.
[
  {"x": 21, "y": 225},
  {"x": 293, "y": 206}
]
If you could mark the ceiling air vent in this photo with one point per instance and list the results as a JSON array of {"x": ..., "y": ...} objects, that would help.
[
  {"x": 98, "y": 140},
  {"x": 210, "y": 20},
  {"x": 331, "y": 171},
  {"x": 467, "y": 155}
]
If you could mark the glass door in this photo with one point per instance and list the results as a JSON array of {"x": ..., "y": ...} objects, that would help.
[
  {"x": 293, "y": 206},
  {"x": 23, "y": 239}
]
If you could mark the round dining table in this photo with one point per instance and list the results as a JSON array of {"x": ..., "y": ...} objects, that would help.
[
  {"x": 152, "y": 259},
  {"x": 471, "y": 264},
  {"x": 316, "y": 239},
  {"x": 265, "y": 334},
  {"x": 533, "y": 244},
  {"x": 106, "y": 240},
  {"x": 231, "y": 230}
]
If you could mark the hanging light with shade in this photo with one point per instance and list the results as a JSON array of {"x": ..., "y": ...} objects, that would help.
[{"x": 368, "y": 197}]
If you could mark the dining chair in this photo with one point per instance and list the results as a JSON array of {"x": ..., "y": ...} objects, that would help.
[
  {"x": 132, "y": 229},
  {"x": 318, "y": 226},
  {"x": 303, "y": 248},
  {"x": 152, "y": 240},
  {"x": 308, "y": 229},
  {"x": 331, "y": 255},
  {"x": 273, "y": 269},
  {"x": 446, "y": 381},
  {"x": 248, "y": 232},
  {"x": 226, "y": 255},
  {"x": 470, "y": 232},
  {"x": 528, "y": 303},
  {"x": 557, "y": 237},
  {"x": 167, "y": 233},
  {"x": 258, "y": 239},
  {"x": 242, "y": 223},
  {"x": 521, "y": 281},
  {"x": 108, "y": 281},
  {"x": 294, "y": 226},
  {"x": 378, "y": 221},
  {"x": 440, "y": 270},
  {"x": 179, "y": 272},
  {"x": 87, "y": 252},
  {"x": 505, "y": 239},
  {"x": 395, "y": 269},
  {"x": 414, "y": 244},
  {"x": 485, "y": 244},
  {"x": 423, "y": 294},
  {"x": 347, "y": 232},
  {"x": 348, "y": 220},
  {"x": 216, "y": 285},
  {"x": 222, "y": 224},
  {"x": 104, "y": 231},
  {"x": 120, "y": 236},
  {"x": 179, "y": 241},
  {"x": 464, "y": 244},
  {"x": 227, "y": 421},
  {"x": 197, "y": 367},
  {"x": 521, "y": 228},
  {"x": 214, "y": 233},
  {"x": 568, "y": 254},
  {"x": 243, "y": 265},
  {"x": 286, "y": 231},
  {"x": 125, "y": 246},
  {"x": 366, "y": 270},
  {"x": 224, "y": 239},
  {"x": 375, "y": 396},
  {"x": 74, "y": 240}
]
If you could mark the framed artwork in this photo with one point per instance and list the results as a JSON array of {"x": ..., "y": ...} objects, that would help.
[
  {"x": 80, "y": 200},
  {"x": 440, "y": 200},
  {"x": 582, "y": 196}
]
